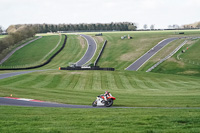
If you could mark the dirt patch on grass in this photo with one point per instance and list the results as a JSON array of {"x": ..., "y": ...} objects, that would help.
[
  {"x": 128, "y": 56},
  {"x": 82, "y": 41},
  {"x": 191, "y": 42},
  {"x": 189, "y": 72},
  {"x": 99, "y": 39},
  {"x": 181, "y": 64},
  {"x": 131, "y": 55}
]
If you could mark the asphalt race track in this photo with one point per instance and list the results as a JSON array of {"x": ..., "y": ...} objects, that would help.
[
  {"x": 6, "y": 75},
  {"x": 138, "y": 63},
  {"x": 15, "y": 102},
  {"x": 92, "y": 46}
]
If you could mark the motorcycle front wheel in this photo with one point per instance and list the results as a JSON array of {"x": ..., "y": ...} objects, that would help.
[
  {"x": 94, "y": 104},
  {"x": 109, "y": 103}
]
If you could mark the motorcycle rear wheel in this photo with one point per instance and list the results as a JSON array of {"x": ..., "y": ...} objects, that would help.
[
  {"x": 109, "y": 103},
  {"x": 94, "y": 104}
]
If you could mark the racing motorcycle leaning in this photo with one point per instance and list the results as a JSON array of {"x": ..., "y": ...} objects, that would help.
[{"x": 100, "y": 101}]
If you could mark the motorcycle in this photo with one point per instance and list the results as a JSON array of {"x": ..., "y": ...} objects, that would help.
[{"x": 101, "y": 102}]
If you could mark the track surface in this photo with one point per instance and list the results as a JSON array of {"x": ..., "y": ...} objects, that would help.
[
  {"x": 14, "y": 102},
  {"x": 92, "y": 46},
  {"x": 138, "y": 63},
  {"x": 6, "y": 75},
  {"x": 11, "y": 53}
]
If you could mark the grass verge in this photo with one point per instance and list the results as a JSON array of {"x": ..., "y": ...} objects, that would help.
[{"x": 28, "y": 119}]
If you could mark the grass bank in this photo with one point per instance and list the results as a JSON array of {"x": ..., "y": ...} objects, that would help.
[{"x": 33, "y": 53}]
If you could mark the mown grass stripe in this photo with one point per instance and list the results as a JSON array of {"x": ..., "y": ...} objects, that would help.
[
  {"x": 178, "y": 84},
  {"x": 118, "y": 80},
  {"x": 13, "y": 80},
  {"x": 55, "y": 82},
  {"x": 45, "y": 82},
  {"x": 125, "y": 81},
  {"x": 74, "y": 81},
  {"x": 97, "y": 80},
  {"x": 64, "y": 81},
  {"x": 89, "y": 82},
  {"x": 161, "y": 84},
  {"x": 151, "y": 83},
  {"x": 104, "y": 81},
  {"x": 141, "y": 82},
  {"x": 32, "y": 80},
  {"x": 136, "y": 83},
  {"x": 111, "y": 81},
  {"x": 40, "y": 79},
  {"x": 80, "y": 85}
]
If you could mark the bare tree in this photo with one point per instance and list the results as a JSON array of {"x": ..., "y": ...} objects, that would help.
[
  {"x": 145, "y": 26},
  {"x": 1, "y": 29},
  {"x": 169, "y": 26},
  {"x": 152, "y": 27}
]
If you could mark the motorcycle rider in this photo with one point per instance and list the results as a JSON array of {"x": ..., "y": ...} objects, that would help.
[{"x": 106, "y": 95}]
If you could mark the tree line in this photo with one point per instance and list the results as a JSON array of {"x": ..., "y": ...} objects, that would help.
[
  {"x": 120, "y": 26},
  {"x": 1, "y": 29},
  {"x": 16, "y": 34},
  {"x": 194, "y": 25}
]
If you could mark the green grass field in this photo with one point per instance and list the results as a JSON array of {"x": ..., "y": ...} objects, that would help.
[
  {"x": 131, "y": 89},
  {"x": 11, "y": 48},
  {"x": 33, "y": 53},
  {"x": 121, "y": 53},
  {"x": 191, "y": 52},
  {"x": 61, "y": 120}
]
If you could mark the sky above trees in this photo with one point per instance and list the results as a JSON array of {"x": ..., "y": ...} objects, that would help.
[{"x": 159, "y": 13}]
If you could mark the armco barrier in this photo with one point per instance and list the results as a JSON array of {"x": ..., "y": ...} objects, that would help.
[
  {"x": 89, "y": 68},
  {"x": 45, "y": 63},
  {"x": 95, "y": 63}
]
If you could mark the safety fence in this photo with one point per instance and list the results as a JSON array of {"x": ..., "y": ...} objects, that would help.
[
  {"x": 103, "y": 47},
  {"x": 88, "y": 68}
]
